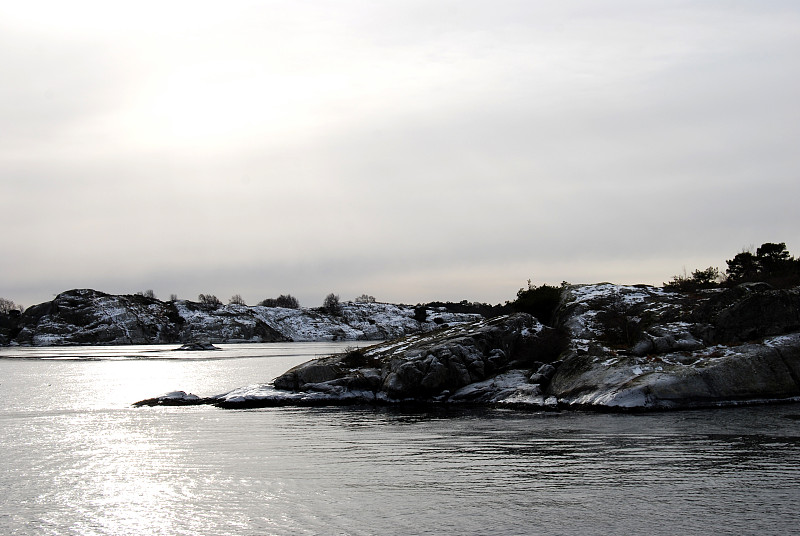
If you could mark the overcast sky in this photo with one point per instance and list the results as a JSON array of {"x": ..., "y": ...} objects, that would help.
[{"x": 412, "y": 150}]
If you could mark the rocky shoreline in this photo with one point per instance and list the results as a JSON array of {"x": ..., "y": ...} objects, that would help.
[{"x": 611, "y": 347}]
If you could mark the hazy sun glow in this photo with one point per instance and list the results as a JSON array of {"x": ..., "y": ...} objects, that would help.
[{"x": 427, "y": 150}]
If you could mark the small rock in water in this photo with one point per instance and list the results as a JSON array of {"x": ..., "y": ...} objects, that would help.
[
  {"x": 197, "y": 346},
  {"x": 174, "y": 398}
]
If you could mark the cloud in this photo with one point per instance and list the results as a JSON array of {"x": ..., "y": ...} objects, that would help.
[{"x": 413, "y": 151}]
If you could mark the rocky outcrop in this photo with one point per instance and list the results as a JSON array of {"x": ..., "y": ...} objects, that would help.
[
  {"x": 644, "y": 347},
  {"x": 746, "y": 313},
  {"x": 197, "y": 347},
  {"x": 479, "y": 362},
  {"x": 86, "y": 316},
  {"x": 434, "y": 366},
  {"x": 613, "y": 347}
]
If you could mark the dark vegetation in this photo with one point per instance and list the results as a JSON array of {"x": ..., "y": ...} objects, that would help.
[
  {"x": 10, "y": 314},
  {"x": 771, "y": 263},
  {"x": 209, "y": 301},
  {"x": 331, "y": 305},
  {"x": 286, "y": 301},
  {"x": 538, "y": 301}
]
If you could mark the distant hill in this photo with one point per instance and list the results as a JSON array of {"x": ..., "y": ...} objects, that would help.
[{"x": 86, "y": 316}]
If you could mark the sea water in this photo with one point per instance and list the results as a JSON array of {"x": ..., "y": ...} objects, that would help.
[{"x": 77, "y": 458}]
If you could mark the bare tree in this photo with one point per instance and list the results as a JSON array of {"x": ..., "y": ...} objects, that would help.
[
  {"x": 6, "y": 306},
  {"x": 365, "y": 298},
  {"x": 209, "y": 300},
  {"x": 237, "y": 299}
]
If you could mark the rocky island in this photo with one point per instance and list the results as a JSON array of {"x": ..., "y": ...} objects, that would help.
[
  {"x": 703, "y": 339},
  {"x": 607, "y": 347}
]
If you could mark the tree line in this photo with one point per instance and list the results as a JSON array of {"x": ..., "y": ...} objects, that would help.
[{"x": 770, "y": 263}]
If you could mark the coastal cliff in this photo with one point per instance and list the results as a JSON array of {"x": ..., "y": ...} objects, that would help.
[{"x": 609, "y": 346}]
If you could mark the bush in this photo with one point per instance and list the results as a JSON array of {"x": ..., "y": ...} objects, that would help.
[
  {"x": 365, "y": 298},
  {"x": 540, "y": 301},
  {"x": 147, "y": 293},
  {"x": 708, "y": 278},
  {"x": 286, "y": 301},
  {"x": 331, "y": 304}
]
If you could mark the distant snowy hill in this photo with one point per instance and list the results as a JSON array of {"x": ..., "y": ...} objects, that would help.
[{"x": 86, "y": 316}]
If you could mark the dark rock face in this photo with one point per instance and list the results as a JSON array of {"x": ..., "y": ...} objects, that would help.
[
  {"x": 87, "y": 316},
  {"x": 9, "y": 326},
  {"x": 432, "y": 366},
  {"x": 90, "y": 317},
  {"x": 746, "y": 313}
]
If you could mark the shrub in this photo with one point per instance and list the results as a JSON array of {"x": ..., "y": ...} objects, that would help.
[
  {"x": 331, "y": 304},
  {"x": 365, "y": 298},
  {"x": 287, "y": 301},
  {"x": 540, "y": 301},
  {"x": 209, "y": 301},
  {"x": 708, "y": 278}
]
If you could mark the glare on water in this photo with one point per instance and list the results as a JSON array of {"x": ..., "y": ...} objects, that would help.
[{"x": 78, "y": 459}]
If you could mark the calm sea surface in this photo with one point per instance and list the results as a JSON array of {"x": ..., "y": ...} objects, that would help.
[{"x": 76, "y": 458}]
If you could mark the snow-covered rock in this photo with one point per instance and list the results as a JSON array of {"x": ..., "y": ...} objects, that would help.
[
  {"x": 614, "y": 346},
  {"x": 644, "y": 347},
  {"x": 87, "y": 316}
]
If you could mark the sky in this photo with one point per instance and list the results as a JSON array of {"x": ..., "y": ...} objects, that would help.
[{"x": 410, "y": 150}]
